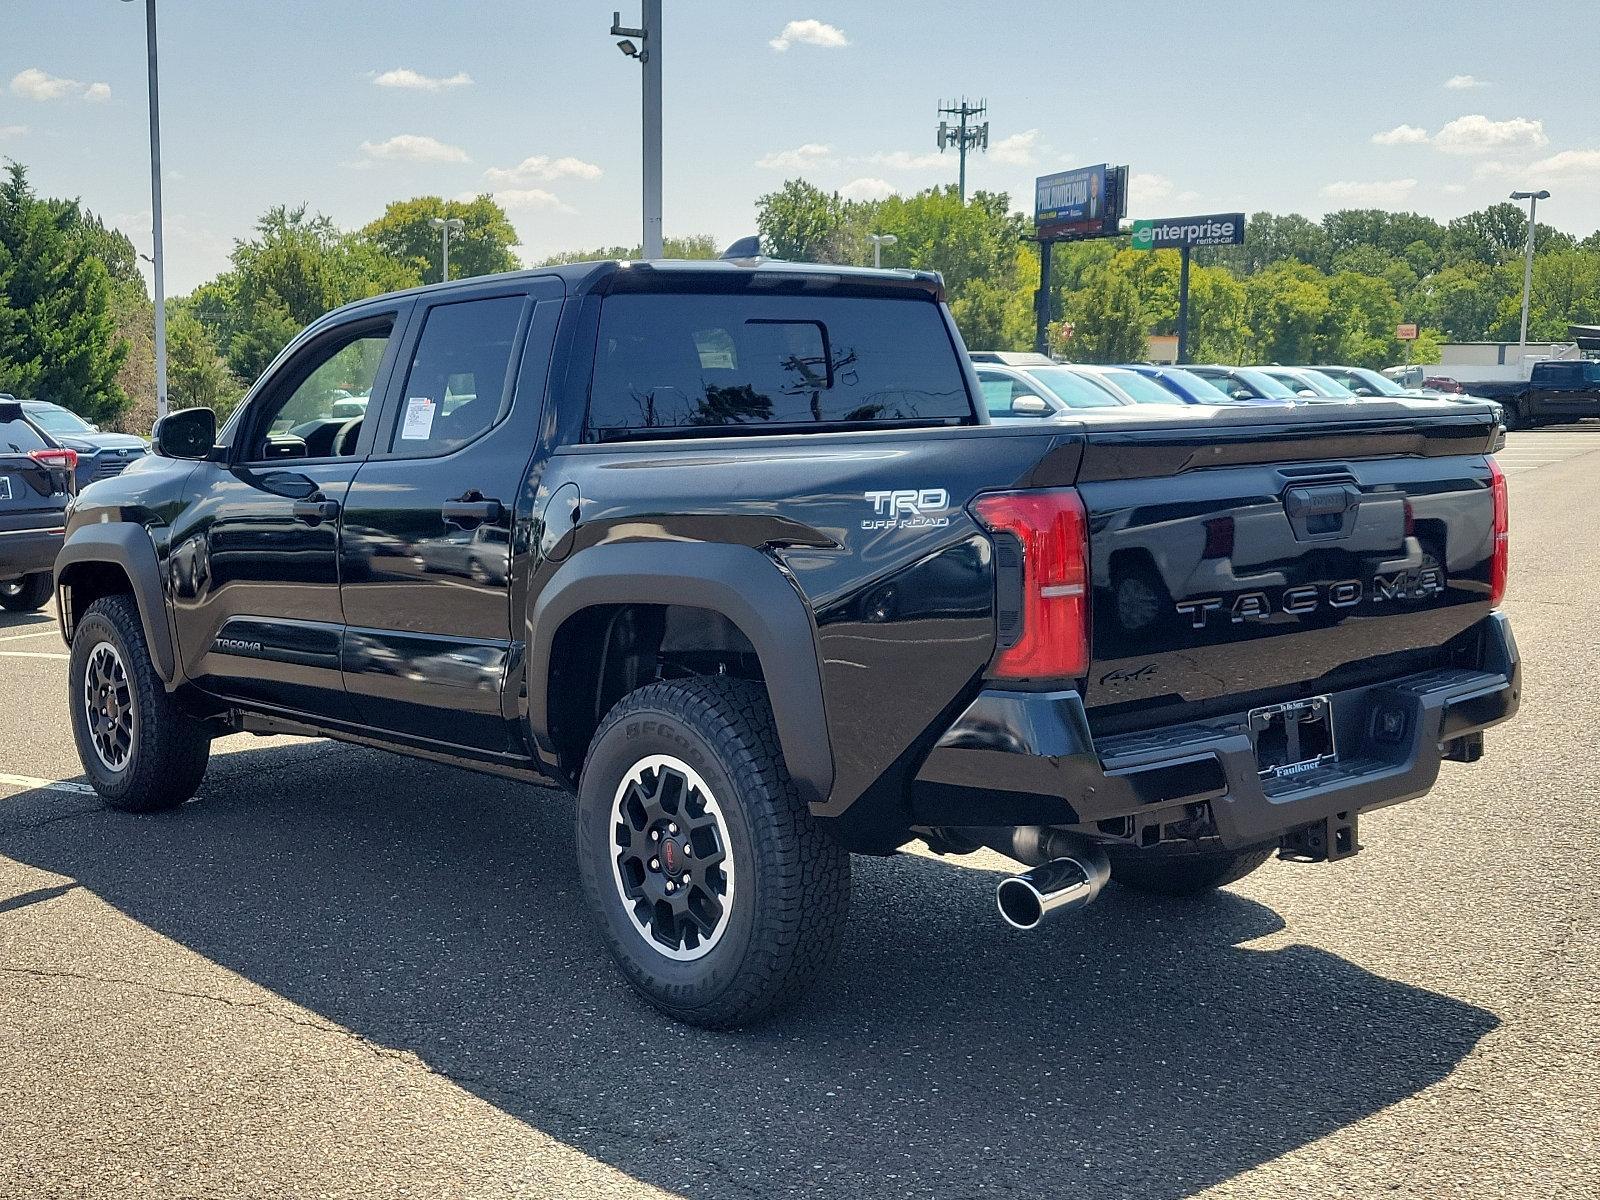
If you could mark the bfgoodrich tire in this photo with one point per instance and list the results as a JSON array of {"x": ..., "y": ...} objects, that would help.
[
  {"x": 27, "y": 594},
  {"x": 140, "y": 750},
  {"x": 1185, "y": 873},
  {"x": 719, "y": 894}
]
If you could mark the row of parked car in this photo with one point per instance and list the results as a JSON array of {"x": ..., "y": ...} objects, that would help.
[
  {"x": 1019, "y": 386},
  {"x": 47, "y": 453}
]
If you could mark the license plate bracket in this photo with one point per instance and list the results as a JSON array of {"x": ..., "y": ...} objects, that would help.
[{"x": 1293, "y": 738}]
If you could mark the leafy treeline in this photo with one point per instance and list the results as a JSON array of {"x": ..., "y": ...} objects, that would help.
[
  {"x": 1296, "y": 291},
  {"x": 75, "y": 319}
]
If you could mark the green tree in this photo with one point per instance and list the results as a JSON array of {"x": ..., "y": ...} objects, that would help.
[
  {"x": 1361, "y": 320},
  {"x": 695, "y": 245},
  {"x": 197, "y": 375},
  {"x": 1107, "y": 320},
  {"x": 1270, "y": 239},
  {"x": 58, "y": 336},
  {"x": 483, "y": 247},
  {"x": 1287, "y": 306},
  {"x": 797, "y": 220}
]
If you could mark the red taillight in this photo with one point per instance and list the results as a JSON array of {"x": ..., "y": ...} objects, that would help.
[
  {"x": 1502, "y": 532},
  {"x": 1053, "y": 532},
  {"x": 55, "y": 457}
]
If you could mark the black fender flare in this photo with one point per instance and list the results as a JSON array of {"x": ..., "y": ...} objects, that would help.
[
  {"x": 129, "y": 547},
  {"x": 742, "y": 584}
]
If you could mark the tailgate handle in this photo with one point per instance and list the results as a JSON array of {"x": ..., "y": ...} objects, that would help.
[{"x": 1322, "y": 511}]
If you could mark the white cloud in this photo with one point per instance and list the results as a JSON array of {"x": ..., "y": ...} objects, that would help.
[
  {"x": 1378, "y": 193},
  {"x": 413, "y": 147},
  {"x": 1016, "y": 150},
  {"x": 405, "y": 77},
  {"x": 543, "y": 167},
  {"x": 9, "y": 131},
  {"x": 1453, "y": 189},
  {"x": 1567, "y": 163},
  {"x": 34, "y": 84},
  {"x": 1188, "y": 197},
  {"x": 867, "y": 188},
  {"x": 1463, "y": 83},
  {"x": 1477, "y": 134},
  {"x": 904, "y": 160},
  {"x": 1401, "y": 135},
  {"x": 810, "y": 33},
  {"x": 531, "y": 198},
  {"x": 1146, "y": 187},
  {"x": 812, "y": 154}
]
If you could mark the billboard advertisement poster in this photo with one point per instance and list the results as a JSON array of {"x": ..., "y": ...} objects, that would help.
[
  {"x": 1174, "y": 233},
  {"x": 1082, "y": 203}
]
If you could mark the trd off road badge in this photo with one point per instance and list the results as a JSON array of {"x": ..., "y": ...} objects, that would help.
[{"x": 908, "y": 508}]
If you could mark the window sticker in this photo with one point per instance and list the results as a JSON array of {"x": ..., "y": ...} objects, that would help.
[{"x": 418, "y": 424}]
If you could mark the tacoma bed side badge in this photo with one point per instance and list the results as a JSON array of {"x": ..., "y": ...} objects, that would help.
[{"x": 908, "y": 508}]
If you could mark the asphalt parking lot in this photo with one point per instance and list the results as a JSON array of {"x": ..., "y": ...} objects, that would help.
[{"x": 340, "y": 973}]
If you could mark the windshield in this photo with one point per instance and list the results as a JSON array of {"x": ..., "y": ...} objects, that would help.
[
  {"x": 1264, "y": 384},
  {"x": 1362, "y": 377},
  {"x": 1074, "y": 390},
  {"x": 1197, "y": 387},
  {"x": 60, "y": 420},
  {"x": 1141, "y": 388},
  {"x": 1317, "y": 385}
]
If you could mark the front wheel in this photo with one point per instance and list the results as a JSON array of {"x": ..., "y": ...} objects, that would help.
[
  {"x": 139, "y": 749},
  {"x": 28, "y": 594},
  {"x": 1183, "y": 873},
  {"x": 719, "y": 894}
]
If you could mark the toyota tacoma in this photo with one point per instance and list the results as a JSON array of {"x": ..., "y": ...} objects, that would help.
[{"x": 732, "y": 551}]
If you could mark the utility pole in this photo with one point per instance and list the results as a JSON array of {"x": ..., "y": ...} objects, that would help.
[
  {"x": 963, "y": 137},
  {"x": 647, "y": 49},
  {"x": 1533, "y": 199},
  {"x": 446, "y": 228},
  {"x": 158, "y": 259}
]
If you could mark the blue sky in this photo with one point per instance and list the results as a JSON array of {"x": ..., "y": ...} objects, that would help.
[{"x": 1227, "y": 105}]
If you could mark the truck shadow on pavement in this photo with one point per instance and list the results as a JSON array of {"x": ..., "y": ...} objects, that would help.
[{"x": 1137, "y": 1050}]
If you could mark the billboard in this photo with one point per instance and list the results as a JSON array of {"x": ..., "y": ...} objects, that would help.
[
  {"x": 1174, "y": 233},
  {"x": 1086, "y": 202}
]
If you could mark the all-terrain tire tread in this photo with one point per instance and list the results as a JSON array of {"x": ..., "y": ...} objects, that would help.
[
  {"x": 806, "y": 873},
  {"x": 170, "y": 758}
]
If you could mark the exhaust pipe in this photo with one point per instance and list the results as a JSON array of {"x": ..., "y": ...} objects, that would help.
[
  {"x": 1067, "y": 873},
  {"x": 1058, "y": 886}
]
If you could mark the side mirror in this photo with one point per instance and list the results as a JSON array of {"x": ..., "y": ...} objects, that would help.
[
  {"x": 1242, "y": 394},
  {"x": 187, "y": 433},
  {"x": 1029, "y": 406},
  {"x": 1365, "y": 391}
]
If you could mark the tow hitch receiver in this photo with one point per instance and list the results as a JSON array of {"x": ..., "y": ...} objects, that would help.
[{"x": 1327, "y": 840}]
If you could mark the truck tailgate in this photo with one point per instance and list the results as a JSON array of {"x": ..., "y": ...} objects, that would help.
[{"x": 1235, "y": 560}]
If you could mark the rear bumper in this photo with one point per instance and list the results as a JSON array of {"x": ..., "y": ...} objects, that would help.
[
  {"x": 28, "y": 545},
  {"x": 1016, "y": 758}
]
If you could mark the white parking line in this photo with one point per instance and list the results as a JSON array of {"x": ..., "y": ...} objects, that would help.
[
  {"x": 32, "y": 654},
  {"x": 29, "y": 783},
  {"x": 17, "y": 637}
]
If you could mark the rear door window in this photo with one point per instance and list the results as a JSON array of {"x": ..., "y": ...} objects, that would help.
[
  {"x": 706, "y": 361},
  {"x": 19, "y": 437},
  {"x": 457, "y": 386}
]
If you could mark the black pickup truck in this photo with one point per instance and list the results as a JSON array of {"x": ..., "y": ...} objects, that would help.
[
  {"x": 1555, "y": 391},
  {"x": 731, "y": 551}
]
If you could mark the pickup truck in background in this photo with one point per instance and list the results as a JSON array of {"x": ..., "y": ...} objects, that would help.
[
  {"x": 759, "y": 581},
  {"x": 1556, "y": 390}
]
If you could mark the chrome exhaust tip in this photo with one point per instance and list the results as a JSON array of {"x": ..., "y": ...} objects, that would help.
[{"x": 1058, "y": 886}]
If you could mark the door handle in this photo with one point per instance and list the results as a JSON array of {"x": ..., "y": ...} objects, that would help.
[
  {"x": 472, "y": 510},
  {"x": 316, "y": 510}
]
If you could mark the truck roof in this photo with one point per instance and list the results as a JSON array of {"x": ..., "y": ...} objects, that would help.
[{"x": 586, "y": 276}]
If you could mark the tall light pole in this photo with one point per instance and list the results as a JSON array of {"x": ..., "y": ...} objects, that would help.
[
  {"x": 647, "y": 49},
  {"x": 879, "y": 241},
  {"x": 446, "y": 228},
  {"x": 158, "y": 261},
  {"x": 1533, "y": 199}
]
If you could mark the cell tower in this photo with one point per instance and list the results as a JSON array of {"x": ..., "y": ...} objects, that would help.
[{"x": 963, "y": 136}]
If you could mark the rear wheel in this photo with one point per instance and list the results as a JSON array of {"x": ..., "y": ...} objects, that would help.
[
  {"x": 28, "y": 594},
  {"x": 139, "y": 749},
  {"x": 719, "y": 894},
  {"x": 1183, "y": 873}
]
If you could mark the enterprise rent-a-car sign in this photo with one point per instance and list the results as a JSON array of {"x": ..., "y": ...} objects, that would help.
[{"x": 1173, "y": 233}]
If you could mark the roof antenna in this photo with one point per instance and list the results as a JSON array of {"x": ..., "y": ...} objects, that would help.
[{"x": 743, "y": 250}]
